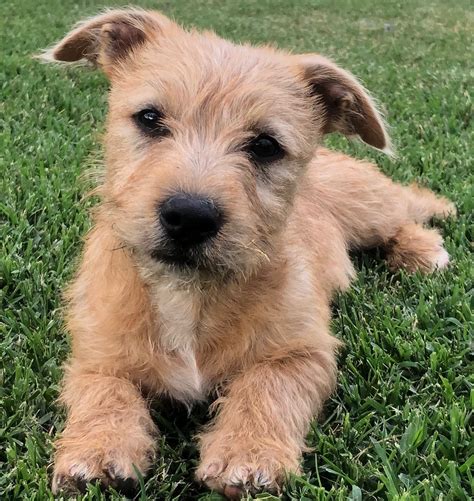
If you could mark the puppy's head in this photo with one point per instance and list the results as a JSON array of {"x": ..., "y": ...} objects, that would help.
[{"x": 206, "y": 140}]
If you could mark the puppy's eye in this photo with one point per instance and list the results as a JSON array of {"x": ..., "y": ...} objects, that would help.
[
  {"x": 265, "y": 149},
  {"x": 150, "y": 121}
]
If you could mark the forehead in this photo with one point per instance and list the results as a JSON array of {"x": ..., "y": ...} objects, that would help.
[{"x": 192, "y": 76}]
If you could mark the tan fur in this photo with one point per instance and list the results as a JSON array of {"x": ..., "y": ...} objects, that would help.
[{"x": 254, "y": 319}]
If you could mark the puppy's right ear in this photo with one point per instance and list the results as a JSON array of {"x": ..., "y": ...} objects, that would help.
[
  {"x": 107, "y": 38},
  {"x": 344, "y": 105}
]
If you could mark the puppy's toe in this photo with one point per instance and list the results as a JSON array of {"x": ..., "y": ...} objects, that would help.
[{"x": 210, "y": 470}]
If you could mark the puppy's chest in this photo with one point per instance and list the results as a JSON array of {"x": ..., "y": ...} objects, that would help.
[{"x": 178, "y": 312}]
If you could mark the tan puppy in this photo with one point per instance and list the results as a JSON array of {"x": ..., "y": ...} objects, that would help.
[{"x": 222, "y": 235}]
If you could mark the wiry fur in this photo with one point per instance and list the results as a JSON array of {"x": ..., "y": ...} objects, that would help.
[{"x": 252, "y": 316}]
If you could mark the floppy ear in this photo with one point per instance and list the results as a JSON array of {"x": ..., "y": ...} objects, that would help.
[
  {"x": 107, "y": 38},
  {"x": 347, "y": 106}
]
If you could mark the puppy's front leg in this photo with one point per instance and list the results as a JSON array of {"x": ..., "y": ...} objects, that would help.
[
  {"x": 109, "y": 432},
  {"x": 258, "y": 434}
]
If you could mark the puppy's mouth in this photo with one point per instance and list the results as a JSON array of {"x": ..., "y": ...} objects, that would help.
[
  {"x": 183, "y": 257},
  {"x": 180, "y": 258}
]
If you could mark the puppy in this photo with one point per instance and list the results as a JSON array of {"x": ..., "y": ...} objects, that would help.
[{"x": 223, "y": 232}]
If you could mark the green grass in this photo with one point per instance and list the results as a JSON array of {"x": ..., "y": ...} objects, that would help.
[{"x": 398, "y": 426}]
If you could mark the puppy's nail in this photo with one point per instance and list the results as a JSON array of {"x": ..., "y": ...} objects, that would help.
[{"x": 110, "y": 471}]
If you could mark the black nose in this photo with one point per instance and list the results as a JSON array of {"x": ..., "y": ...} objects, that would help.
[{"x": 189, "y": 219}]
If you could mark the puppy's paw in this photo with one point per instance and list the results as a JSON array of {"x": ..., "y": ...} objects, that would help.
[
  {"x": 237, "y": 473},
  {"x": 415, "y": 248},
  {"x": 78, "y": 463},
  {"x": 73, "y": 478}
]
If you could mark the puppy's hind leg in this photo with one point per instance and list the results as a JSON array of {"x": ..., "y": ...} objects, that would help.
[{"x": 374, "y": 211}]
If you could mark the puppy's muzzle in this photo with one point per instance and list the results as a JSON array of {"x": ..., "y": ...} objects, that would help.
[{"x": 189, "y": 220}]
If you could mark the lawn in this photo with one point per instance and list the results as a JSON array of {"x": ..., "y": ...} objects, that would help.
[{"x": 398, "y": 425}]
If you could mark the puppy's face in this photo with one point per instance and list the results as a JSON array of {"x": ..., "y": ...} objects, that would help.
[
  {"x": 206, "y": 140},
  {"x": 205, "y": 143}
]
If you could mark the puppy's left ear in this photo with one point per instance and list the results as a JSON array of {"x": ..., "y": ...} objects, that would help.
[
  {"x": 108, "y": 39},
  {"x": 342, "y": 102}
]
